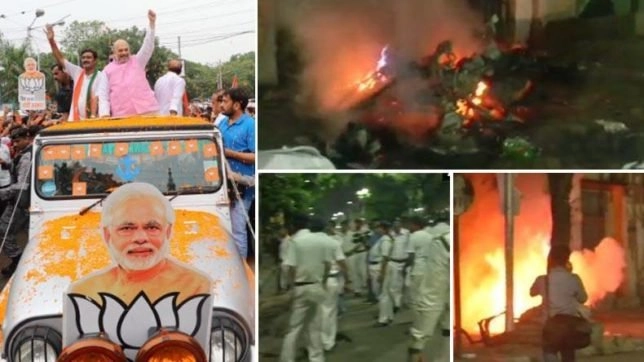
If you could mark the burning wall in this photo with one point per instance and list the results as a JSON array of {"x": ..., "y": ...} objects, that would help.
[{"x": 482, "y": 260}]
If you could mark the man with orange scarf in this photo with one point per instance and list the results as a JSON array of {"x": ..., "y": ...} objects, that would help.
[{"x": 86, "y": 79}]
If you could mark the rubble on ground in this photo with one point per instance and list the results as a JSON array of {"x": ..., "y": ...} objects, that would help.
[{"x": 528, "y": 329}]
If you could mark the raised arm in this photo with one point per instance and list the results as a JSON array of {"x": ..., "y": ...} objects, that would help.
[
  {"x": 60, "y": 59},
  {"x": 145, "y": 53}
]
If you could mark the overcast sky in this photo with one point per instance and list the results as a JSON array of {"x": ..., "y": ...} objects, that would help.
[{"x": 200, "y": 23}]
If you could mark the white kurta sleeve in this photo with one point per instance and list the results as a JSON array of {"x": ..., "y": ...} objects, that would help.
[
  {"x": 103, "y": 94},
  {"x": 145, "y": 53}
]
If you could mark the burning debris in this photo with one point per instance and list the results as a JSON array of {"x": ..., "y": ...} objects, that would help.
[{"x": 445, "y": 105}]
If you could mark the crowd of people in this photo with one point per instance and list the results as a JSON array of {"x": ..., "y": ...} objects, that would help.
[
  {"x": 396, "y": 265},
  {"x": 121, "y": 89}
]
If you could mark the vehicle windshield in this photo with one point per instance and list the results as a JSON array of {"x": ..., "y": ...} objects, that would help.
[{"x": 81, "y": 170}]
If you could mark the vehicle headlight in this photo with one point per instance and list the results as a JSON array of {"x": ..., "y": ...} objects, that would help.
[
  {"x": 97, "y": 348},
  {"x": 37, "y": 344},
  {"x": 171, "y": 346},
  {"x": 228, "y": 339}
]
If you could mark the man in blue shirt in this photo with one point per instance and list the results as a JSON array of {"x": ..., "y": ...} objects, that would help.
[{"x": 238, "y": 132}]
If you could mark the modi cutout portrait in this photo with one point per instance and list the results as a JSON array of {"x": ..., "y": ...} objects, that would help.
[
  {"x": 31, "y": 87},
  {"x": 145, "y": 289}
]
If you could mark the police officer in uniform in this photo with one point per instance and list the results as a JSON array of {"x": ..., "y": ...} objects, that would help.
[
  {"x": 309, "y": 259},
  {"x": 430, "y": 286},
  {"x": 390, "y": 299},
  {"x": 357, "y": 256}
]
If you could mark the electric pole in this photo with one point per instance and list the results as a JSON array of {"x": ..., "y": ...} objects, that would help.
[{"x": 220, "y": 80}]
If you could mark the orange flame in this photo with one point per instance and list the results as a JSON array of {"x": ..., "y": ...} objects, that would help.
[
  {"x": 370, "y": 80},
  {"x": 462, "y": 105},
  {"x": 366, "y": 84},
  {"x": 481, "y": 87},
  {"x": 482, "y": 260}
]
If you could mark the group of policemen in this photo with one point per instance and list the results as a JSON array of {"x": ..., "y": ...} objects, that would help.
[{"x": 405, "y": 263}]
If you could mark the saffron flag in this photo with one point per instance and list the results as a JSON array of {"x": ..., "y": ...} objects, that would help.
[{"x": 235, "y": 82}]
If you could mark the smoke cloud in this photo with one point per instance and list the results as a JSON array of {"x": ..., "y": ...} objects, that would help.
[{"x": 601, "y": 270}]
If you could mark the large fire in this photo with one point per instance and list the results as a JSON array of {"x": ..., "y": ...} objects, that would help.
[{"x": 482, "y": 261}]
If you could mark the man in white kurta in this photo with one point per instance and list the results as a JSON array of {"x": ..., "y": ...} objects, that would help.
[
  {"x": 309, "y": 259},
  {"x": 169, "y": 90}
]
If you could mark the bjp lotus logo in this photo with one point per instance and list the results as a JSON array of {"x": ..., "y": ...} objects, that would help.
[
  {"x": 31, "y": 84},
  {"x": 130, "y": 325}
]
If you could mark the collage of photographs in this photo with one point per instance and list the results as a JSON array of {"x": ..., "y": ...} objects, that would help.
[{"x": 331, "y": 180}]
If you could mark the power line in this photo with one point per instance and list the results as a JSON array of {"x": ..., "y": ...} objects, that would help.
[
  {"x": 161, "y": 24},
  {"x": 209, "y": 17},
  {"x": 200, "y": 32},
  {"x": 192, "y": 29},
  {"x": 162, "y": 12},
  {"x": 215, "y": 39},
  {"x": 205, "y": 37}
]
